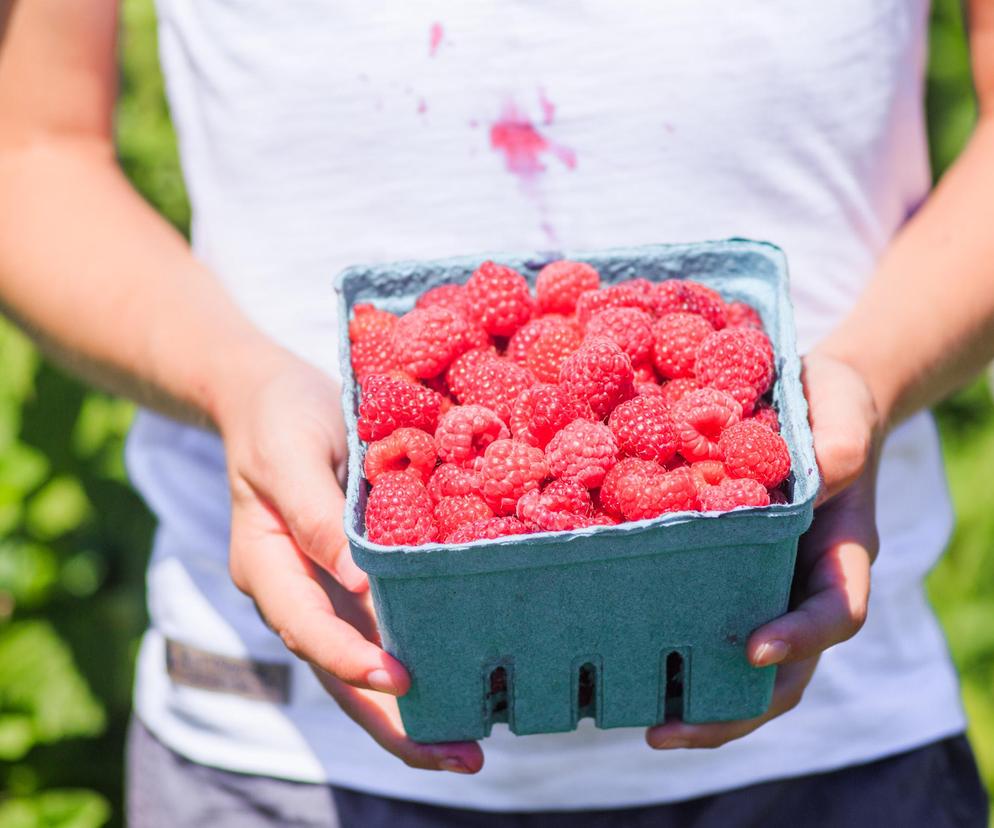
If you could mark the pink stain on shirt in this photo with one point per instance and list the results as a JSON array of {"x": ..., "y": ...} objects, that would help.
[
  {"x": 548, "y": 108},
  {"x": 422, "y": 106},
  {"x": 435, "y": 35},
  {"x": 523, "y": 145}
]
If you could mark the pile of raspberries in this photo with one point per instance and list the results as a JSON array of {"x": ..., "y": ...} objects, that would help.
[{"x": 490, "y": 410}]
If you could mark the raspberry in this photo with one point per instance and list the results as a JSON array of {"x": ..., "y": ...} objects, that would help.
[
  {"x": 562, "y": 505},
  {"x": 496, "y": 384},
  {"x": 626, "y": 467},
  {"x": 615, "y": 296},
  {"x": 645, "y": 373},
  {"x": 644, "y": 428},
  {"x": 462, "y": 366},
  {"x": 388, "y": 404},
  {"x": 453, "y": 512},
  {"x": 641, "y": 497},
  {"x": 750, "y": 449},
  {"x": 765, "y": 413},
  {"x": 676, "y": 390},
  {"x": 709, "y": 472},
  {"x": 629, "y": 328},
  {"x": 450, "y": 480},
  {"x": 373, "y": 354},
  {"x": 602, "y": 519},
  {"x": 650, "y": 389},
  {"x": 406, "y": 449},
  {"x": 465, "y": 431},
  {"x": 682, "y": 295},
  {"x": 499, "y": 299},
  {"x": 677, "y": 339},
  {"x": 741, "y": 315},
  {"x": 452, "y": 297},
  {"x": 583, "y": 451},
  {"x": 488, "y": 529},
  {"x": 600, "y": 373},
  {"x": 546, "y": 355},
  {"x": 399, "y": 511},
  {"x": 542, "y": 410},
  {"x": 701, "y": 417},
  {"x": 511, "y": 468},
  {"x": 560, "y": 284},
  {"x": 519, "y": 344},
  {"x": 739, "y": 361},
  {"x": 731, "y": 494},
  {"x": 428, "y": 339},
  {"x": 368, "y": 319}
]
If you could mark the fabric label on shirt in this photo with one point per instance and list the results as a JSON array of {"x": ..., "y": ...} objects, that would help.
[{"x": 259, "y": 680}]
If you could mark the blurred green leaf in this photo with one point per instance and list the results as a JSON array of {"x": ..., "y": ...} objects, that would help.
[
  {"x": 28, "y": 572},
  {"x": 59, "y": 507},
  {"x": 55, "y": 809}
]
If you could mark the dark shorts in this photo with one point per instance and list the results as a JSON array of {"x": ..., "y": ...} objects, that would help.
[{"x": 935, "y": 786}]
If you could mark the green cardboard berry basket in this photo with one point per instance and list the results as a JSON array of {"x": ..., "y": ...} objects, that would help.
[{"x": 628, "y": 624}]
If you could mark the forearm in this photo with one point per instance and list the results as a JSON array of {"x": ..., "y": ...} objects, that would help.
[
  {"x": 110, "y": 289},
  {"x": 925, "y": 323}
]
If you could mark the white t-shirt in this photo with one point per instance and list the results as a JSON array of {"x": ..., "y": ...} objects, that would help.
[{"x": 320, "y": 133}]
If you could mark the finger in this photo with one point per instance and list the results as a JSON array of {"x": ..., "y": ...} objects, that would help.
[
  {"x": 269, "y": 568},
  {"x": 306, "y": 498},
  {"x": 380, "y": 717},
  {"x": 787, "y": 692},
  {"x": 834, "y": 610}
]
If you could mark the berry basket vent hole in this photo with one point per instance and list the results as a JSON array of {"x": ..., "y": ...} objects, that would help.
[
  {"x": 675, "y": 682},
  {"x": 586, "y": 692},
  {"x": 496, "y": 695}
]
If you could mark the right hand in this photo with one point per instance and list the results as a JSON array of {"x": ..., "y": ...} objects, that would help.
[{"x": 285, "y": 446}]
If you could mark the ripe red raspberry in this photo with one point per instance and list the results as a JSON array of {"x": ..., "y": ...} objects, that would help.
[
  {"x": 406, "y": 449},
  {"x": 676, "y": 390},
  {"x": 560, "y": 284},
  {"x": 426, "y": 340},
  {"x": 731, "y": 494},
  {"x": 644, "y": 428},
  {"x": 499, "y": 299},
  {"x": 450, "y": 480},
  {"x": 677, "y": 339},
  {"x": 561, "y": 506},
  {"x": 750, "y": 449},
  {"x": 650, "y": 496},
  {"x": 614, "y": 296},
  {"x": 453, "y": 512},
  {"x": 526, "y": 336},
  {"x": 626, "y": 467},
  {"x": 546, "y": 355},
  {"x": 399, "y": 511},
  {"x": 373, "y": 354},
  {"x": 387, "y": 404},
  {"x": 741, "y": 315},
  {"x": 600, "y": 373},
  {"x": 629, "y": 328},
  {"x": 583, "y": 451},
  {"x": 709, "y": 472},
  {"x": 650, "y": 389},
  {"x": 543, "y": 410},
  {"x": 682, "y": 295},
  {"x": 496, "y": 384},
  {"x": 739, "y": 361},
  {"x": 511, "y": 468},
  {"x": 645, "y": 373},
  {"x": 700, "y": 418},
  {"x": 765, "y": 413},
  {"x": 488, "y": 529},
  {"x": 452, "y": 297},
  {"x": 368, "y": 319},
  {"x": 465, "y": 431},
  {"x": 462, "y": 366}
]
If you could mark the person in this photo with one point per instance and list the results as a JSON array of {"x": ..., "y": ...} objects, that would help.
[{"x": 314, "y": 135}]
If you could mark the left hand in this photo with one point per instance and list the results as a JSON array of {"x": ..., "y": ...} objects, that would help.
[{"x": 832, "y": 578}]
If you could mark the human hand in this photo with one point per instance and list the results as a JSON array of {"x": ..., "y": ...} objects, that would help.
[
  {"x": 832, "y": 578},
  {"x": 285, "y": 446}
]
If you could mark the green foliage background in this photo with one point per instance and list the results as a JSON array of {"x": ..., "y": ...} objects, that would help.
[{"x": 74, "y": 539}]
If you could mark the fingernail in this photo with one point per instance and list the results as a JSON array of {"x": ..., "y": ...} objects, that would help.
[
  {"x": 453, "y": 765},
  {"x": 673, "y": 743},
  {"x": 381, "y": 680},
  {"x": 772, "y": 652}
]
